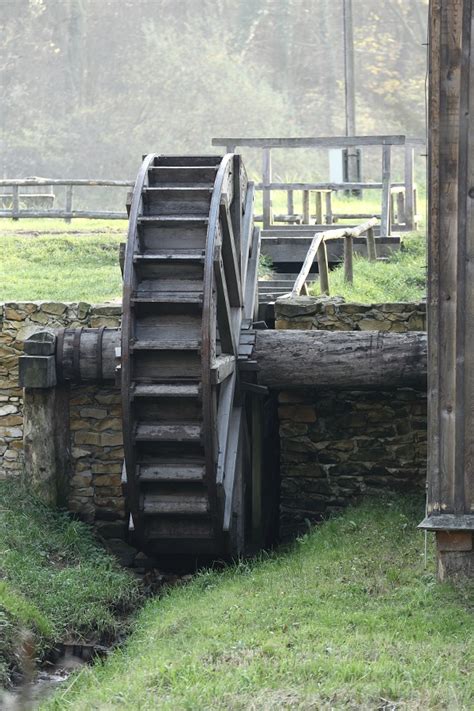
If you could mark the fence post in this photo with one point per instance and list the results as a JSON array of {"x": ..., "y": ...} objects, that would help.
[
  {"x": 16, "y": 202},
  {"x": 267, "y": 179},
  {"x": 305, "y": 207},
  {"x": 318, "y": 207},
  {"x": 386, "y": 192},
  {"x": 328, "y": 201},
  {"x": 69, "y": 190},
  {"x": 401, "y": 216},
  {"x": 410, "y": 209},
  {"x": 322, "y": 257},
  {"x": 290, "y": 203},
  {"x": 371, "y": 249},
  {"x": 348, "y": 260}
]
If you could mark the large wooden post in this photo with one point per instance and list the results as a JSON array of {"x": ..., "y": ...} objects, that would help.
[{"x": 451, "y": 287}]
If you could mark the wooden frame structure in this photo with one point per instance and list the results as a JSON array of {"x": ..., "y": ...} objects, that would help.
[
  {"x": 406, "y": 191},
  {"x": 450, "y": 508}
]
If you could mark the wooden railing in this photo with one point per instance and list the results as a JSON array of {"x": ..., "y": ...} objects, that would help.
[
  {"x": 406, "y": 205},
  {"x": 67, "y": 212},
  {"x": 318, "y": 248}
]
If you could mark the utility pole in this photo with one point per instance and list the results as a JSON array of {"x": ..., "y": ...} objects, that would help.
[{"x": 353, "y": 174}]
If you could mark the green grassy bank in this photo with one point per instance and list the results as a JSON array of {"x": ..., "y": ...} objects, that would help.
[
  {"x": 401, "y": 278},
  {"x": 348, "y": 618},
  {"x": 50, "y": 260},
  {"x": 55, "y": 581}
]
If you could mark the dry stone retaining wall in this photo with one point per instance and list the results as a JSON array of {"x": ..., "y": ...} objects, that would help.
[
  {"x": 336, "y": 445},
  {"x": 95, "y": 415}
]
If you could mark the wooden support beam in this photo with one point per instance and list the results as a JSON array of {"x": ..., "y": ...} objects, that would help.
[
  {"x": 348, "y": 359},
  {"x": 451, "y": 275}
]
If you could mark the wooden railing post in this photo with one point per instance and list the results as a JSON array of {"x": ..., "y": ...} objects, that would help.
[
  {"x": 371, "y": 248},
  {"x": 69, "y": 189},
  {"x": 305, "y": 207},
  {"x": 323, "y": 268},
  {"x": 318, "y": 207},
  {"x": 290, "y": 203},
  {"x": 267, "y": 179},
  {"x": 348, "y": 260},
  {"x": 386, "y": 191},
  {"x": 328, "y": 201},
  {"x": 16, "y": 202},
  {"x": 401, "y": 216},
  {"x": 410, "y": 209}
]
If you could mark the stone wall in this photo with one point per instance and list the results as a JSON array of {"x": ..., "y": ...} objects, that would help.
[
  {"x": 335, "y": 445},
  {"x": 95, "y": 415}
]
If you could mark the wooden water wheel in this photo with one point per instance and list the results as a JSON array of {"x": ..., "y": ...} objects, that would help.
[{"x": 190, "y": 291}]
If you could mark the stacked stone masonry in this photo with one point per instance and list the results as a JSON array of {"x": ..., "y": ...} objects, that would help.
[
  {"x": 335, "y": 445},
  {"x": 95, "y": 491}
]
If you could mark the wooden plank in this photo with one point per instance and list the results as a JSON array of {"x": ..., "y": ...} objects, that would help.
[
  {"x": 231, "y": 463},
  {"x": 236, "y": 207},
  {"x": 267, "y": 179},
  {"x": 317, "y": 240},
  {"x": 15, "y": 204},
  {"x": 221, "y": 368},
  {"x": 250, "y": 296},
  {"x": 230, "y": 256},
  {"x": 224, "y": 409},
  {"x": 326, "y": 186},
  {"x": 386, "y": 176},
  {"x": 318, "y": 141},
  {"x": 224, "y": 316},
  {"x": 448, "y": 522}
]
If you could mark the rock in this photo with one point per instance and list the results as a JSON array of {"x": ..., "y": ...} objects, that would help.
[
  {"x": 8, "y": 410},
  {"x": 54, "y": 308},
  {"x": 94, "y": 413}
]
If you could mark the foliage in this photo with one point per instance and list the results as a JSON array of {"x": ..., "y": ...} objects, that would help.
[
  {"x": 129, "y": 77},
  {"x": 401, "y": 278},
  {"x": 347, "y": 618},
  {"x": 55, "y": 580}
]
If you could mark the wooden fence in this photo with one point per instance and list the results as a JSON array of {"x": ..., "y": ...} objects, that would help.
[
  {"x": 318, "y": 248},
  {"x": 16, "y": 212},
  {"x": 404, "y": 193}
]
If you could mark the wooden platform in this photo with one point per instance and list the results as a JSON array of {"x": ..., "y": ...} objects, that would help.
[{"x": 288, "y": 245}]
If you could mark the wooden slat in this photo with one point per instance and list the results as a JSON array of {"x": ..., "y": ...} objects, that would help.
[
  {"x": 230, "y": 257},
  {"x": 158, "y": 432},
  {"x": 318, "y": 141},
  {"x": 224, "y": 316},
  {"x": 222, "y": 368}
]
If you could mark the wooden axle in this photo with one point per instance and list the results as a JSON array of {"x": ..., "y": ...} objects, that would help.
[{"x": 282, "y": 359}]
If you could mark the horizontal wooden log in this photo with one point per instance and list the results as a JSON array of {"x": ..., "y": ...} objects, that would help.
[
  {"x": 287, "y": 359},
  {"x": 347, "y": 359}
]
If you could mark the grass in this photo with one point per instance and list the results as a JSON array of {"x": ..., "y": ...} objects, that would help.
[
  {"x": 52, "y": 260},
  {"x": 348, "y": 618},
  {"x": 401, "y": 278},
  {"x": 55, "y": 580},
  {"x": 42, "y": 260}
]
